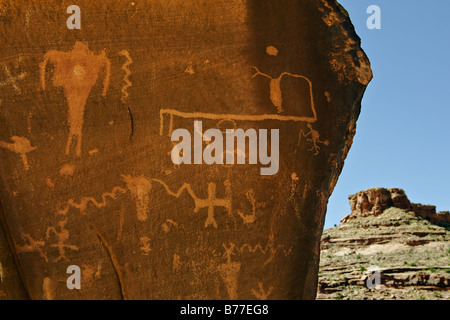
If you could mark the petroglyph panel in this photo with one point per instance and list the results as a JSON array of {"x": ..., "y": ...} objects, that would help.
[
  {"x": 86, "y": 118},
  {"x": 76, "y": 72}
]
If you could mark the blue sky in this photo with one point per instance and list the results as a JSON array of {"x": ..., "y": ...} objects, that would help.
[{"x": 403, "y": 134}]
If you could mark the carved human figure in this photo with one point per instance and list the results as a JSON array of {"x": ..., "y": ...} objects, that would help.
[{"x": 77, "y": 72}]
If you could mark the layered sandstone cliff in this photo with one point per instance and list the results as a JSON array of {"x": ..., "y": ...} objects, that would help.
[{"x": 407, "y": 243}]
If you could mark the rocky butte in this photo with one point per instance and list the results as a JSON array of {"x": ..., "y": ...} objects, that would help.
[
  {"x": 86, "y": 119},
  {"x": 408, "y": 244}
]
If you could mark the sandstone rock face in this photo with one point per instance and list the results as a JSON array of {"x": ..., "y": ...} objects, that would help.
[
  {"x": 374, "y": 201},
  {"x": 87, "y": 121},
  {"x": 410, "y": 253}
]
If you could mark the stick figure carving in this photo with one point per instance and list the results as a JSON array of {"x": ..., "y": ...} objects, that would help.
[
  {"x": 62, "y": 236},
  {"x": 314, "y": 137},
  {"x": 77, "y": 72}
]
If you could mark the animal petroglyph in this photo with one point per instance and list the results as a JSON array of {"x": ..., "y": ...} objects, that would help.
[
  {"x": 275, "y": 89},
  {"x": 261, "y": 294},
  {"x": 140, "y": 189},
  {"x": 32, "y": 246},
  {"x": 314, "y": 137},
  {"x": 77, "y": 72},
  {"x": 62, "y": 236},
  {"x": 211, "y": 202},
  {"x": 20, "y": 146},
  {"x": 12, "y": 80},
  {"x": 229, "y": 272},
  {"x": 82, "y": 205}
]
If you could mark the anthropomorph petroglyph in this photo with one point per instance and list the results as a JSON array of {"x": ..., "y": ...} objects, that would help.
[
  {"x": 20, "y": 146},
  {"x": 77, "y": 72},
  {"x": 229, "y": 272},
  {"x": 12, "y": 80},
  {"x": 275, "y": 88},
  {"x": 140, "y": 189},
  {"x": 211, "y": 202},
  {"x": 62, "y": 236},
  {"x": 314, "y": 137}
]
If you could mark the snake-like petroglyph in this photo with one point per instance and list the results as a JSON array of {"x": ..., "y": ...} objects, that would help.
[
  {"x": 77, "y": 72},
  {"x": 140, "y": 189},
  {"x": 85, "y": 201},
  {"x": 269, "y": 248},
  {"x": 126, "y": 78}
]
